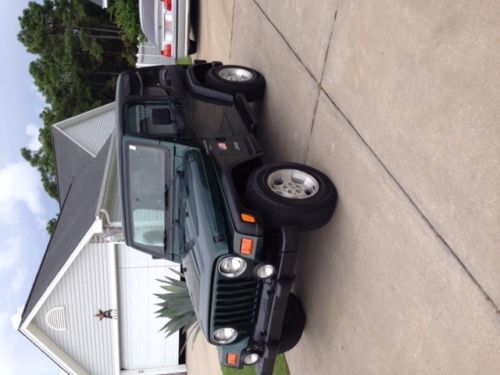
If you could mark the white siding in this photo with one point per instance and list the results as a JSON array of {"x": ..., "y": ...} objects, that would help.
[
  {"x": 83, "y": 290},
  {"x": 93, "y": 132},
  {"x": 111, "y": 201},
  {"x": 142, "y": 345}
]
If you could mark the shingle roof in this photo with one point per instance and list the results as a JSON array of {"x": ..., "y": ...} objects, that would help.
[
  {"x": 71, "y": 160},
  {"x": 78, "y": 213}
]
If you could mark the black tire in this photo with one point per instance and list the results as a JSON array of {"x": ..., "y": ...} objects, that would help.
[
  {"x": 306, "y": 213},
  {"x": 293, "y": 324},
  {"x": 192, "y": 47},
  {"x": 253, "y": 88}
]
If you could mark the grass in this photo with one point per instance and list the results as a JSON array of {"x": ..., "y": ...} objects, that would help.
[
  {"x": 184, "y": 60},
  {"x": 280, "y": 368}
]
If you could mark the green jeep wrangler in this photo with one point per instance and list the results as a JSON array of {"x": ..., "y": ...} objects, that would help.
[{"x": 196, "y": 189}]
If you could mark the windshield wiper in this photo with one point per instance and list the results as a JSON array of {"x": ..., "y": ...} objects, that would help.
[
  {"x": 165, "y": 237},
  {"x": 165, "y": 195},
  {"x": 165, "y": 233}
]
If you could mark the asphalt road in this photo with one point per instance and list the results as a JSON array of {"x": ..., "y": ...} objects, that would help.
[{"x": 398, "y": 102}]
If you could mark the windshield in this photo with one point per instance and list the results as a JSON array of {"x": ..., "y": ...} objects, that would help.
[{"x": 147, "y": 198}]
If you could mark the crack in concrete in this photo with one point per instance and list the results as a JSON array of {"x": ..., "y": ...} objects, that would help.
[
  {"x": 284, "y": 39},
  {"x": 414, "y": 205},
  {"x": 328, "y": 47},
  {"x": 232, "y": 31},
  {"x": 330, "y": 38},
  {"x": 306, "y": 153},
  {"x": 398, "y": 184}
]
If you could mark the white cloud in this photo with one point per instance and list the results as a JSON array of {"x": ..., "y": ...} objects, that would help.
[
  {"x": 15, "y": 319},
  {"x": 33, "y": 131},
  {"x": 10, "y": 253},
  {"x": 19, "y": 183},
  {"x": 37, "y": 92},
  {"x": 17, "y": 356},
  {"x": 17, "y": 281},
  {"x": 41, "y": 103},
  {"x": 7, "y": 359}
]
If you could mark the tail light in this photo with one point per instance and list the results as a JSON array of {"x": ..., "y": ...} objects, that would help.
[
  {"x": 167, "y": 50},
  {"x": 168, "y": 5}
]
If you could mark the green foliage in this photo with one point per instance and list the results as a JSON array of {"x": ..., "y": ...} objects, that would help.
[
  {"x": 186, "y": 60},
  {"x": 176, "y": 305},
  {"x": 51, "y": 225},
  {"x": 125, "y": 14},
  {"x": 79, "y": 53}
]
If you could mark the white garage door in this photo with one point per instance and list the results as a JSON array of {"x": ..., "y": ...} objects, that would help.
[{"x": 142, "y": 346}]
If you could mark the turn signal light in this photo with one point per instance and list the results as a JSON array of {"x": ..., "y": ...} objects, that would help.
[
  {"x": 246, "y": 246},
  {"x": 232, "y": 359},
  {"x": 247, "y": 218}
]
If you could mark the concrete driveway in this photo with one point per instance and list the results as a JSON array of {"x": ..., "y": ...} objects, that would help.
[{"x": 399, "y": 103}]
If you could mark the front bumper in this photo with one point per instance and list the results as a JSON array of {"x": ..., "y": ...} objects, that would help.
[{"x": 272, "y": 308}]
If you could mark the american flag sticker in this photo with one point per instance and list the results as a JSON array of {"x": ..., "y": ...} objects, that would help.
[{"x": 222, "y": 146}]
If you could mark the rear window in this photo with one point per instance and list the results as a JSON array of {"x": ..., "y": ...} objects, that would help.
[
  {"x": 154, "y": 119},
  {"x": 143, "y": 116}
]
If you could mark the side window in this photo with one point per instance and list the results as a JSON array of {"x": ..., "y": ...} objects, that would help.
[
  {"x": 149, "y": 226},
  {"x": 146, "y": 188}
]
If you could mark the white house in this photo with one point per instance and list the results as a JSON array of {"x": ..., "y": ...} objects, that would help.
[
  {"x": 92, "y": 305},
  {"x": 101, "y": 3}
]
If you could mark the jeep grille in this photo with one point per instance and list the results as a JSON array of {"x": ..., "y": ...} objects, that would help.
[{"x": 236, "y": 304}]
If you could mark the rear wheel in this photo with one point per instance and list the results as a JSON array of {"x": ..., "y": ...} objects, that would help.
[
  {"x": 291, "y": 194},
  {"x": 293, "y": 324},
  {"x": 236, "y": 79},
  {"x": 192, "y": 47}
]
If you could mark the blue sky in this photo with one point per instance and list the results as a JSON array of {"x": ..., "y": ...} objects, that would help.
[{"x": 24, "y": 206}]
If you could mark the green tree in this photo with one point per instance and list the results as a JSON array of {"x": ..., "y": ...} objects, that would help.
[
  {"x": 125, "y": 14},
  {"x": 51, "y": 225},
  {"x": 79, "y": 53}
]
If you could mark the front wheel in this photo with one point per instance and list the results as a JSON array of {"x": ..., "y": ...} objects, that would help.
[
  {"x": 291, "y": 194},
  {"x": 192, "y": 47},
  {"x": 293, "y": 324},
  {"x": 236, "y": 79}
]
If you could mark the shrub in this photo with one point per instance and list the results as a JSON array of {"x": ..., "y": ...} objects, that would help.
[{"x": 176, "y": 305}]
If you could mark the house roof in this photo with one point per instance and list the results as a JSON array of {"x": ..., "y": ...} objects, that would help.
[
  {"x": 71, "y": 160},
  {"x": 77, "y": 140},
  {"x": 78, "y": 213}
]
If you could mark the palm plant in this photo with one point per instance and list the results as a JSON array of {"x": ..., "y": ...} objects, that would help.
[{"x": 176, "y": 306}]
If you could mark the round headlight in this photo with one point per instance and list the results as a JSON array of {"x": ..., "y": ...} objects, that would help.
[
  {"x": 232, "y": 266},
  {"x": 224, "y": 335},
  {"x": 263, "y": 271},
  {"x": 251, "y": 358}
]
